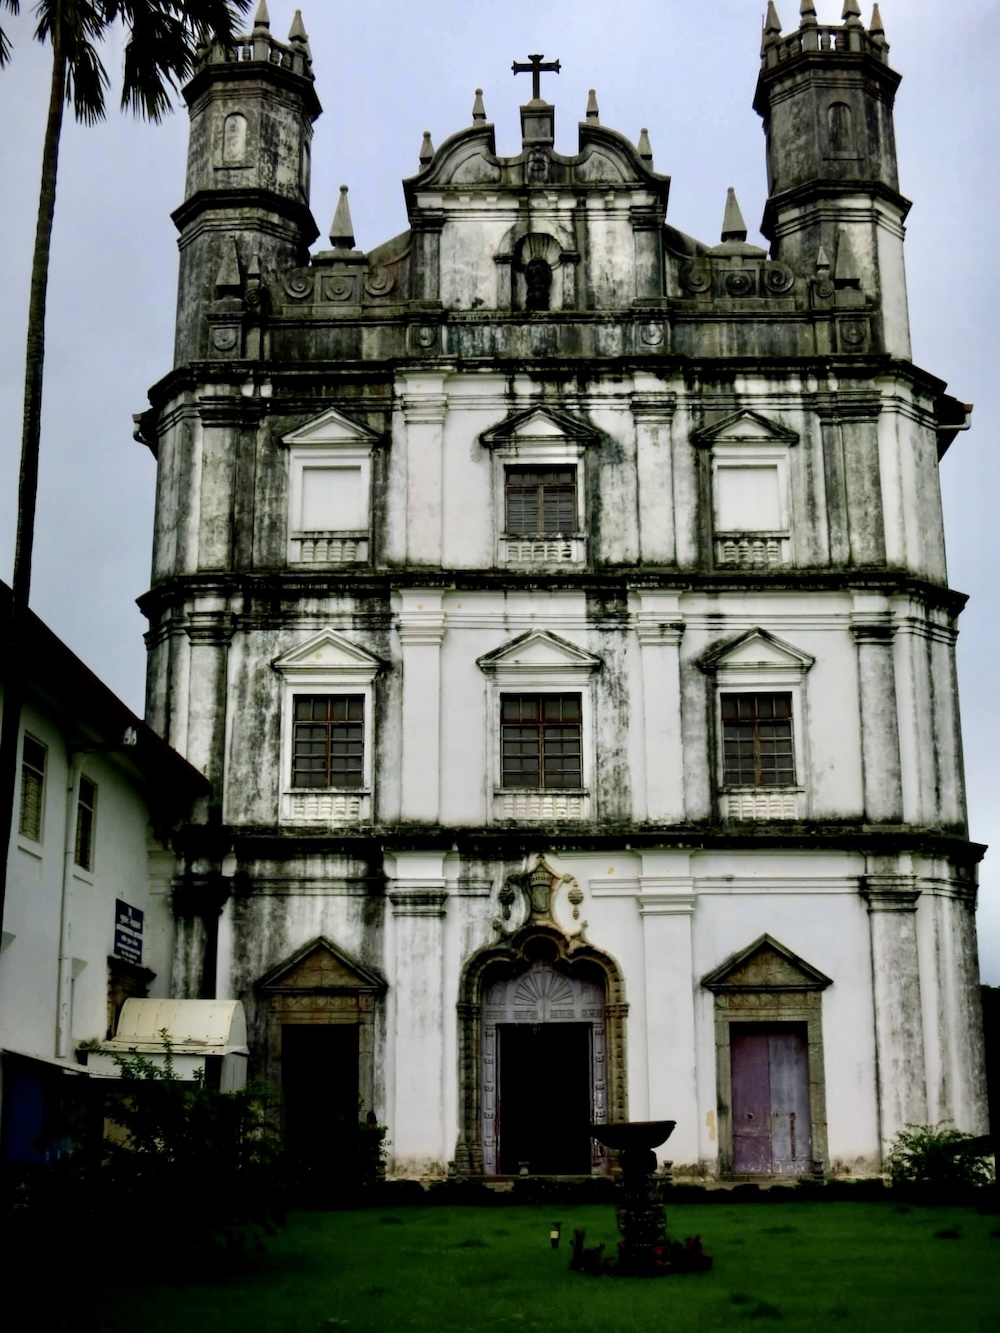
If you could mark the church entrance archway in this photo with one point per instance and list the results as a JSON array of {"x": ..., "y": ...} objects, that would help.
[{"x": 544, "y": 1066}]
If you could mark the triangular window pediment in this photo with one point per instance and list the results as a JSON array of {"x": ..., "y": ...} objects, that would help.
[
  {"x": 538, "y": 650},
  {"x": 330, "y": 430},
  {"x": 330, "y": 652},
  {"x": 757, "y": 650},
  {"x": 320, "y": 966},
  {"x": 746, "y": 428},
  {"x": 543, "y": 424},
  {"x": 765, "y": 966}
]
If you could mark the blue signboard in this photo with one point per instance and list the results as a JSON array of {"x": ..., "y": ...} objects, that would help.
[{"x": 128, "y": 932}]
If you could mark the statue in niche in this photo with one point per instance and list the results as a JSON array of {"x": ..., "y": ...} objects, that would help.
[{"x": 538, "y": 283}]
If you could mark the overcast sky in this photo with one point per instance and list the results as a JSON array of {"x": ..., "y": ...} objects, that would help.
[{"x": 385, "y": 72}]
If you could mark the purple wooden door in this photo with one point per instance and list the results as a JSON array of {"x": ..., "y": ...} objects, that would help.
[{"x": 772, "y": 1134}]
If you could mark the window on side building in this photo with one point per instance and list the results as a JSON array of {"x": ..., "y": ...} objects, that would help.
[
  {"x": 541, "y": 501},
  {"x": 86, "y": 823},
  {"x": 30, "y": 821}
]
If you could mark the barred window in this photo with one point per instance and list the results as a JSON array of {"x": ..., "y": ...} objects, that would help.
[
  {"x": 328, "y": 745},
  {"x": 541, "y": 501},
  {"x": 86, "y": 817},
  {"x": 758, "y": 749},
  {"x": 540, "y": 741},
  {"x": 32, "y": 789}
]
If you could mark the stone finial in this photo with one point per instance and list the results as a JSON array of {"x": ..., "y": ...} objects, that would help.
[
  {"x": 822, "y": 261},
  {"x": 852, "y": 11},
  {"x": 342, "y": 231},
  {"x": 262, "y": 19},
  {"x": 875, "y": 28},
  {"x": 479, "y": 106},
  {"x": 772, "y": 24},
  {"x": 733, "y": 226},
  {"x": 644, "y": 146},
  {"x": 593, "y": 111},
  {"x": 807, "y": 12},
  {"x": 426, "y": 149},
  {"x": 229, "y": 280},
  {"x": 297, "y": 32}
]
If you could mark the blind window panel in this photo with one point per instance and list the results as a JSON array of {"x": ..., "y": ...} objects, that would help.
[
  {"x": 333, "y": 499},
  {"x": 747, "y": 499}
]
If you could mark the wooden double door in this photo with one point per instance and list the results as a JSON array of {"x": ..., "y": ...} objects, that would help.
[{"x": 772, "y": 1127}]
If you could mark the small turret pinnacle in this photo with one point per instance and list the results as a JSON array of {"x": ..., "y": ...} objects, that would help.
[
  {"x": 822, "y": 261},
  {"x": 852, "y": 11},
  {"x": 807, "y": 11},
  {"x": 262, "y": 19},
  {"x": 772, "y": 24},
  {"x": 297, "y": 32},
  {"x": 229, "y": 280},
  {"x": 875, "y": 28},
  {"x": 846, "y": 273},
  {"x": 593, "y": 112},
  {"x": 342, "y": 231},
  {"x": 426, "y": 149},
  {"x": 644, "y": 147},
  {"x": 479, "y": 106},
  {"x": 733, "y": 226}
]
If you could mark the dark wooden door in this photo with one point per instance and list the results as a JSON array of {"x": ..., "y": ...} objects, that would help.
[
  {"x": 772, "y": 1132},
  {"x": 319, "y": 1085},
  {"x": 544, "y": 1100}
]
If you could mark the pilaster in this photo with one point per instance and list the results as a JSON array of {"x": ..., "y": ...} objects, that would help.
[
  {"x": 210, "y": 629},
  {"x": 873, "y": 633},
  {"x": 418, "y": 899},
  {"x": 659, "y": 629},
  {"x": 666, "y": 906},
  {"x": 424, "y": 406},
  {"x": 653, "y": 413},
  {"x": 899, "y": 1044},
  {"x": 421, "y": 627}
]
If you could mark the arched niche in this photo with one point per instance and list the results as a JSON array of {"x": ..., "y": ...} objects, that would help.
[
  {"x": 537, "y": 955},
  {"x": 524, "y": 250}
]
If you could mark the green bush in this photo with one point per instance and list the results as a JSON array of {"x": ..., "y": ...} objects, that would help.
[
  {"x": 202, "y": 1168},
  {"x": 938, "y": 1159}
]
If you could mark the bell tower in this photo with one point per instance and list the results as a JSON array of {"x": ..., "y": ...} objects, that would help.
[
  {"x": 826, "y": 94},
  {"x": 246, "y": 215}
]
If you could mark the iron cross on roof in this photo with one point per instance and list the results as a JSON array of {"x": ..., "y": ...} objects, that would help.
[{"x": 536, "y": 69}]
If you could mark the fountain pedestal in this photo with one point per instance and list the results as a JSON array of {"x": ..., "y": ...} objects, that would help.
[{"x": 644, "y": 1249}]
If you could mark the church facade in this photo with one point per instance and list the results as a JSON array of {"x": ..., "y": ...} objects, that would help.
[{"x": 558, "y": 606}]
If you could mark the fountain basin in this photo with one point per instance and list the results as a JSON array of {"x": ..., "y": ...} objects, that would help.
[{"x": 636, "y": 1134}]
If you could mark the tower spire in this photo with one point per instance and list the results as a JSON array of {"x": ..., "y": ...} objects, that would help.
[
  {"x": 772, "y": 24},
  {"x": 342, "y": 230},
  {"x": 733, "y": 226},
  {"x": 852, "y": 12},
  {"x": 875, "y": 28}
]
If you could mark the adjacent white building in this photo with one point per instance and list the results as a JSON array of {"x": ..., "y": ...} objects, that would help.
[
  {"x": 558, "y": 607},
  {"x": 88, "y": 922}
]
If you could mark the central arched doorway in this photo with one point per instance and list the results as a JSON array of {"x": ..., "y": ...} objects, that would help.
[
  {"x": 544, "y": 1073},
  {"x": 541, "y": 1054}
]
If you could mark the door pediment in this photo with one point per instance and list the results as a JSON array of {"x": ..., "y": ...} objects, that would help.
[
  {"x": 765, "y": 965},
  {"x": 320, "y": 967}
]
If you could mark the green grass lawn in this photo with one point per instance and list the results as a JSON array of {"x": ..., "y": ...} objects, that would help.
[{"x": 800, "y": 1266}]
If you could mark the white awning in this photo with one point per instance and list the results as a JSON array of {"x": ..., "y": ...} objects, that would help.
[{"x": 193, "y": 1027}]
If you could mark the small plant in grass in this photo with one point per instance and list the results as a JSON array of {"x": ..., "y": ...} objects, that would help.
[{"x": 937, "y": 1158}]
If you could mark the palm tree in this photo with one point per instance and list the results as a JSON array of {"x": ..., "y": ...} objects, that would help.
[{"x": 162, "y": 38}]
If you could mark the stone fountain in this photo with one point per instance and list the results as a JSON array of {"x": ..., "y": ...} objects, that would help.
[{"x": 644, "y": 1249}]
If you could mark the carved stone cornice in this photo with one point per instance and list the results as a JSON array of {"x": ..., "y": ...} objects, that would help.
[
  {"x": 419, "y": 902},
  {"x": 890, "y": 893},
  {"x": 211, "y": 628}
]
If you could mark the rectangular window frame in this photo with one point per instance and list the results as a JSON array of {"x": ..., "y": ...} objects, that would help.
[
  {"x": 751, "y": 545},
  {"x": 32, "y": 779},
  {"x": 551, "y": 733},
  {"x": 549, "y": 501},
  {"x": 344, "y": 747},
  {"x": 85, "y": 833},
  {"x": 734, "y": 767}
]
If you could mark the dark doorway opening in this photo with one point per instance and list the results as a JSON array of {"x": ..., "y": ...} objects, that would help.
[
  {"x": 319, "y": 1087},
  {"x": 772, "y": 1131},
  {"x": 545, "y": 1098}
]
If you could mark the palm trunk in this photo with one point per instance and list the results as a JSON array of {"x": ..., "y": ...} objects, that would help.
[{"x": 14, "y": 665}]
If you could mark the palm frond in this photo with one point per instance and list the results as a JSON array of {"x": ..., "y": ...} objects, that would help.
[
  {"x": 163, "y": 36},
  {"x": 12, "y": 6},
  {"x": 86, "y": 80},
  {"x": 76, "y": 26}
]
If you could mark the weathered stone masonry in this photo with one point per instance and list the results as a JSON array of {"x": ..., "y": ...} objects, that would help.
[{"x": 545, "y": 552}]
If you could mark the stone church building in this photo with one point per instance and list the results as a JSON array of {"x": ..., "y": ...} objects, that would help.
[{"x": 557, "y": 604}]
